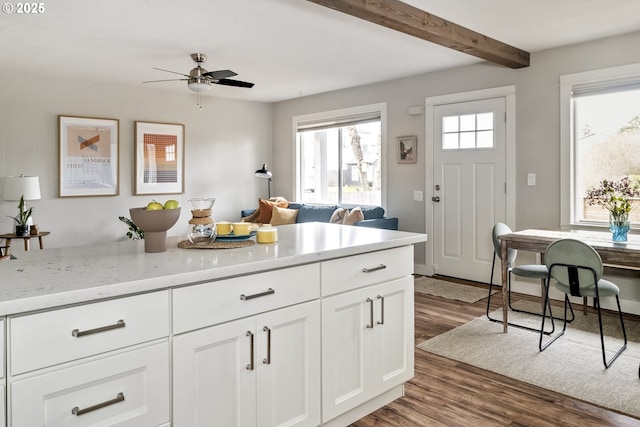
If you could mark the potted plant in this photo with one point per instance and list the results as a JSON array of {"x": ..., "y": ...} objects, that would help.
[
  {"x": 22, "y": 228},
  {"x": 616, "y": 197}
]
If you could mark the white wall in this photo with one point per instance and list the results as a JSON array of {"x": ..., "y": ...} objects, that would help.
[
  {"x": 537, "y": 126},
  {"x": 224, "y": 144}
]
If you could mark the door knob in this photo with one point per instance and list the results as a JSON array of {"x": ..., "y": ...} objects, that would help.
[{"x": 435, "y": 199}]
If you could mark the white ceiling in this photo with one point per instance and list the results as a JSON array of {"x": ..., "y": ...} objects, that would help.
[{"x": 288, "y": 48}]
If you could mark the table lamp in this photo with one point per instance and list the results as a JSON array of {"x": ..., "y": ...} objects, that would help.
[
  {"x": 16, "y": 187},
  {"x": 265, "y": 174}
]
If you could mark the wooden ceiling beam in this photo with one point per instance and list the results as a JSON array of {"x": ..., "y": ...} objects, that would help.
[{"x": 408, "y": 19}]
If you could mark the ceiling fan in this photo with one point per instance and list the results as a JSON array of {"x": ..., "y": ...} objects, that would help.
[{"x": 200, "y": 80}]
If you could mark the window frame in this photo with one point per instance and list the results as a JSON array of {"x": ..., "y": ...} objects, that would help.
[
  {"x": 568, "y": 82},
  {"x": 339, "y": 115}
]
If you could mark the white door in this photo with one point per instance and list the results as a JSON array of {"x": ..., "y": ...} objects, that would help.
[
  {"x": 469, "y": 194},
  {"x": 393, "y": 353},
  {"x": 288, "y": 359},
  {"x": 214, "y": 378}
]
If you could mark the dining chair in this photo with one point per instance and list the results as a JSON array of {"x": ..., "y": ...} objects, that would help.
[
  {"x": 577, "y": 270},
  {"x": 534, "y": 271}
]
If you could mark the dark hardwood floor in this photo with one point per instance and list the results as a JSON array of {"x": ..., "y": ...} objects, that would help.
[{"x": 444, "y": 392}]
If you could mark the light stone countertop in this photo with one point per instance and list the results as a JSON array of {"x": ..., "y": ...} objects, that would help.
[{"x": 49, "y": 278}]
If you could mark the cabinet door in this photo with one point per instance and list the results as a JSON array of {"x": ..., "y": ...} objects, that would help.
[
  {"x": 393, "y": 355},
  {"x": 288, "y": 373},
  {"x": 346, "y": 351},
  {"x": 213, "y": 376}
]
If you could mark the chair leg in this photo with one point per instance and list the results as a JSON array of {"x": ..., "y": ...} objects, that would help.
[
  {"x": 567, "y": 303},
  {"x": 608, "y": 363},
  {"x": 509, "y": 292},
  {"x": 538, "y": 314}
]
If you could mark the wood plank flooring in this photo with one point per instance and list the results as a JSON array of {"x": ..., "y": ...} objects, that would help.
[{"x": 444, "y": 392}]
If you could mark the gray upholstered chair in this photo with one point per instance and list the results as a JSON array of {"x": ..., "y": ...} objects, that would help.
[
  {"x": 577, "y": 270},
  {"x": 535, "y": 271}
]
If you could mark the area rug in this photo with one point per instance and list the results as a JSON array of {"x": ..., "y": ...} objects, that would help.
[
  {"x": 572, "y": 365},
  {"x": 449, "y": 290}
]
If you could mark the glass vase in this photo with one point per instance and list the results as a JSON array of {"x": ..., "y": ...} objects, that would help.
[{"x": 619, "y": 226}]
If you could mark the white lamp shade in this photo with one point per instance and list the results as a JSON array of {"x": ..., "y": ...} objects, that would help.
[{"x": 17, "y": 186}]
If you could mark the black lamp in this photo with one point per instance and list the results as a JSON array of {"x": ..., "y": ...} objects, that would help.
[{"x": 265, "y": 174}]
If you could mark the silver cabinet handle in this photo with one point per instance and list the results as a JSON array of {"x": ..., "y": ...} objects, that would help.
[
  {"x": 250, "y": 365},
  {"x": 269, "y": 291},
  {"x": 372, "y": 269},
  {"x": 370, "y": 301},
  {"x": 267, "y": 360},
  {"x": 77, "y": 411},
  {"x": 78, "y": 333},
  {"x": 381, "y": 321}
]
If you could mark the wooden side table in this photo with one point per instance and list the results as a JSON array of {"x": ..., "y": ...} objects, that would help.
[{"x": 26, "y": 239}]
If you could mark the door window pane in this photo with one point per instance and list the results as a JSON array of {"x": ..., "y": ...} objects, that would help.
[{"x": 467, "y": 131}]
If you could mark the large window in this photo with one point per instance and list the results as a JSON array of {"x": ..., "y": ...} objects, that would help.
[
  {"x": 604, "y": 137},
  {"x": 340, "y": 157}
]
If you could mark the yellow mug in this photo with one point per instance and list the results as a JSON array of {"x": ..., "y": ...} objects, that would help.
[
  {"x": 241, "y": 228},
  {"x": 223, "y": 228}
]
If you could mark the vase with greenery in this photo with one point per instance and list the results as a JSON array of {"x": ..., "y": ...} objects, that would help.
[
  {"x": 616, "y": 197},
  {"x": 22, "y": 228}
]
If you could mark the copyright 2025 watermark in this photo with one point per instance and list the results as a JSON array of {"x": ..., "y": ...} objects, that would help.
[{"x": 23, "y": 8}]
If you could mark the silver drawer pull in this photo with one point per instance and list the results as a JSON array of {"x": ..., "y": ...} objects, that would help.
[
  {"x": 117, "y": 325},
  {"x": 269, "y": 291},
  {"x": 267, "y": 360},
  {"x": 381, "y": 321},
  {"x": 372, "y": 269},
  {"x": 77, "y": 411}
]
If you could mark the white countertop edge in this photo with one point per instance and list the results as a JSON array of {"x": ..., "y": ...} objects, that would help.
[{"x": 50, "y": 300}]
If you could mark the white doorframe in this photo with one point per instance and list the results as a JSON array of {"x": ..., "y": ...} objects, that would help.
[{"x": 509, "y": 93}]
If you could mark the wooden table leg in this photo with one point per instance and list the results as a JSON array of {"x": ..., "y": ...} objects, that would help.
[
  {"x": 41, "y": 243},
  {"x": 26, "y": 244},
  {"x": 505, "y": 284}
]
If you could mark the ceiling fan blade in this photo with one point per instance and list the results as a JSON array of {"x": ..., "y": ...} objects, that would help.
[
  {"x": 170, "y": 80},
  {"x": 220, "y": 74},
  {"x": 237, "y": 83},
  {"x": 169, "y": 71}
]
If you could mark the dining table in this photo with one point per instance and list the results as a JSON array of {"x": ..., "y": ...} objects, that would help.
[{"x": 617, "y": 254}]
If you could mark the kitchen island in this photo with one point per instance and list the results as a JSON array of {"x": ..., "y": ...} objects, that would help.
[{"x": 316, "y": 329}]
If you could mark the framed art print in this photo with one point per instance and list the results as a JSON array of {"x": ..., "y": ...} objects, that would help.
[
  {"x": 159, "y": 158},
  {"x": 88, "y": 161},
  {"x": 407, "y": 150}
]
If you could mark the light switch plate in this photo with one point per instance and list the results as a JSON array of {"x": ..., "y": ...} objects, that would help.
[
  {"x": 531, "y": 179},
  {"x": 418, "y": 196}
]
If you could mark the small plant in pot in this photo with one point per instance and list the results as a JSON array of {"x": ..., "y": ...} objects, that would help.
[{"x": 22, "y": 228}]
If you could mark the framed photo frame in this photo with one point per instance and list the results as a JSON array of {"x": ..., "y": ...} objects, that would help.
[
  {"x": 88, "y": 156},
  {"x": 407, "y": 149},
  {"x": 159, "y": 158}
]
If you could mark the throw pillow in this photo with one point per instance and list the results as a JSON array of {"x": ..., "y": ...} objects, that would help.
[
  {"x": 338, "y": 216},
  {"x": 353, "y": 216},
  {"x": 282, "y": 216},
  {"x": 266, "y": 208}
]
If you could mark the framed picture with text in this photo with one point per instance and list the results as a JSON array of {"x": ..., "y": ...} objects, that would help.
[
  {"x": 88, "y": 161},
  {"x": 159, "y": 158},
  {"x": 407, "y": 149}
]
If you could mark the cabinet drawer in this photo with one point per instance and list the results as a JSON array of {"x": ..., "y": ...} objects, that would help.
[
  {"x": 353, "y": 272},
  {"x": 99, "y": 327},
  {"x": 127, "y": 389},
  {"x": 216, "y": 302}
]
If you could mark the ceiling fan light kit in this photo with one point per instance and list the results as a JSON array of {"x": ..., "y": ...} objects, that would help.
[{"x": 199, "y": 80}]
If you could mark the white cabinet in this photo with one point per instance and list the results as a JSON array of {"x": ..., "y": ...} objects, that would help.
[
  {"x": 258, "y": 371},
  {"x": 367, "y": 344},
  {"x": 126, "y": 389}
]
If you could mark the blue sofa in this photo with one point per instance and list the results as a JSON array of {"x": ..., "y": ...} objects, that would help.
[{"x": 373, "y": 215}]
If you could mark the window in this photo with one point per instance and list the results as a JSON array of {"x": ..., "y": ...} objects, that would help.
[
  {"x": 467, "y": 131},
  {"x": 340, "y": 157},
  {"x": 604, "y": 135}
]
